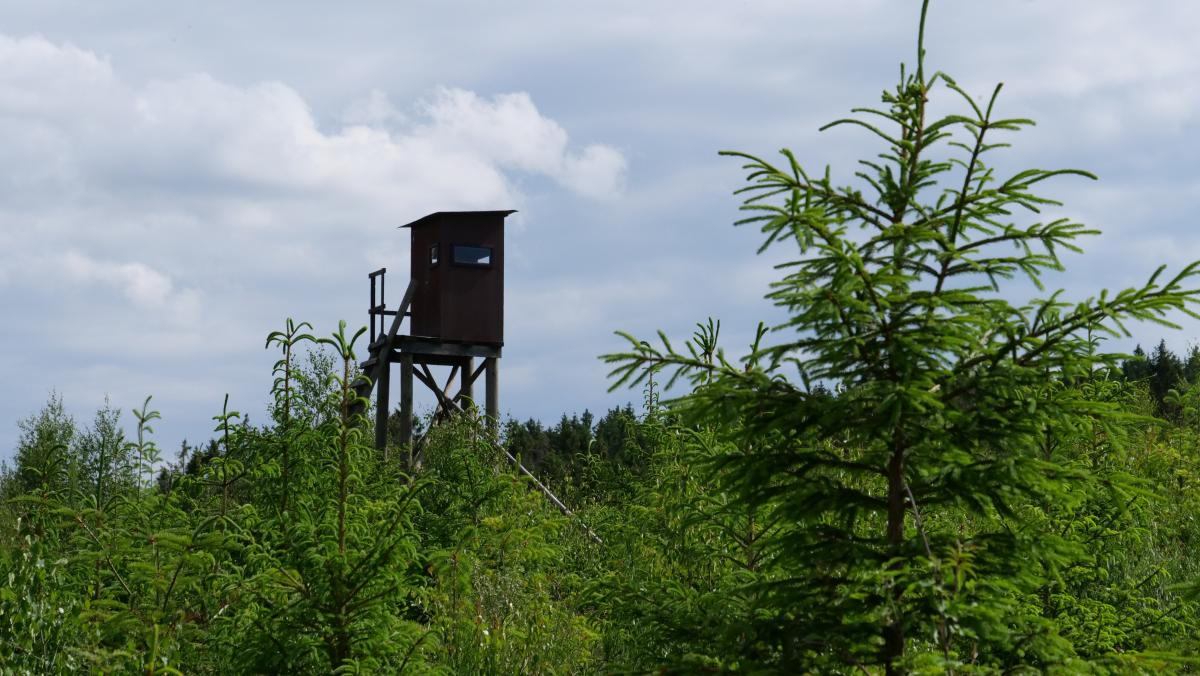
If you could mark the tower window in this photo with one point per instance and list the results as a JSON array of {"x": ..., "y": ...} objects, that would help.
[{"x": 475, "y": 256}]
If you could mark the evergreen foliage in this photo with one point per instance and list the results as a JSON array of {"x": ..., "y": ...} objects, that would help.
[{"x": 923, "y": 501}]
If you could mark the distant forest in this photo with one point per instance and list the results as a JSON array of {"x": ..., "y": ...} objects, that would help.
[
  {"x": 1165, "y": 376},
  {"x": 552, "y": 449}
]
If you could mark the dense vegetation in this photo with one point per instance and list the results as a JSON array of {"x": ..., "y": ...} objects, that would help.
[{"x": 912, "y": 473}]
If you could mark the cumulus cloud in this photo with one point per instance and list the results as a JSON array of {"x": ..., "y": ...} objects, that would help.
[
  {"x": 196, "y": 132},
  {"x": 509, "y": 129},
  {"x": 595, "y": 171},
  {"x": 97, "y": 165},
  {"x": 1125, "y": 69},
  {"x": 140, "y": 283}
]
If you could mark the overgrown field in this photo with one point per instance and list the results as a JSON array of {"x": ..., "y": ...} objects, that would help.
[{"x": 295, "y": 548}]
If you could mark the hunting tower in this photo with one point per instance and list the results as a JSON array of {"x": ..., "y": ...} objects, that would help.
[
  {"x": 455, "y": 300},
  {"x": 458, "y": 267}
]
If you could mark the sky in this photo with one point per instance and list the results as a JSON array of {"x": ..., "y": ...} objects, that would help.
[{"x": 178, "y": 180}]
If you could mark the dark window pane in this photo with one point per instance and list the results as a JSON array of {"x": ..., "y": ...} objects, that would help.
[
  {"x": 472, "y": 255},
  {"x": 433, "y": 255}
]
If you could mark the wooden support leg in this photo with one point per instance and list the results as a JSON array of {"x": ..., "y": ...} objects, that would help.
[
  {"x": 382, "y": 406},
  {"x": 451, "y": 404},
  {"x": 466, "y": 392},
  {"x": 445, "y": 406},
  {"x": 406, "y": 399},
  {"x": 492, "y": 385}
]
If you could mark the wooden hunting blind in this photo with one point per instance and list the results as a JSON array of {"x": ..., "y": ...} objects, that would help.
[
  {"x": 455, "y": 299},
  {"x": 458, "y": 268}
]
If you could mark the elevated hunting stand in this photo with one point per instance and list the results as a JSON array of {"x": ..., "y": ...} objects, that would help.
[{"x": 455, "y": 300}]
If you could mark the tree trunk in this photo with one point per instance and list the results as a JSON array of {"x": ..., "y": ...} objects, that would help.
[{"x": 893, "y": 631}]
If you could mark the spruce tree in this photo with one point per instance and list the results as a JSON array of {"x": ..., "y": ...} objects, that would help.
[
  {"x": 1137, "y": 367},
  {"x": 1191, "y": 364},
  {"x": 1166, "y": 372},
  {"x": 919, "y": 492}
]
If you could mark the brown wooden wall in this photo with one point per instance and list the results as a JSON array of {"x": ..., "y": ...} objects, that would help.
[{"x": 457, "y": 301}]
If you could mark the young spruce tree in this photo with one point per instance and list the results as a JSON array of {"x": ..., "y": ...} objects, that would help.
[{"x": 918, "y": 492}]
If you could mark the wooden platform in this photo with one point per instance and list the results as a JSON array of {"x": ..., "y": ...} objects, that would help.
[
  {"x": 416, "y": 354},
  {"x": 422, "y": 347}
]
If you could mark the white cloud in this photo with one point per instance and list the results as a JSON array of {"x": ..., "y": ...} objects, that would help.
[
  {"x": 83, "y": 124},
  {"x": 596, "y": 171},
  {"x": 1124, "y": 68},
  {"x": 510, "y": 130},
  {"x": 198, "y": 174},
  {"x": 373, "y": 110},
  {"x": 140, "y": 283},
  {"x": 43, "y": 80}
]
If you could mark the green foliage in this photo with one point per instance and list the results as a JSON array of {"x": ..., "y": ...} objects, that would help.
[
  {"x": 464, "y": 569},
  {"x": 500, "y": 591},
  {"x": 105, "y": 466},
  {"x": 38, "y": 611},
  {"x": 583, "y": 457},
  {"x": 340, "y": 582},
  {"x": 292, "y": 548},
  {"x": 1164, "y": 374},
  {"x": 42, "y": 458},
  {"x": 923, "y": 500}
]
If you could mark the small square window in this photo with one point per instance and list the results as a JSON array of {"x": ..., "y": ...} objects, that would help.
[
  {"x": 475, "y": 256},
  {"x": 433, "y": 255}
]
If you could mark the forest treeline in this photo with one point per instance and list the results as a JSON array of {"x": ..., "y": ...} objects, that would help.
[
  {"x": 554, "y": 449},
  {"x": 912, "y": 472},
  {"x": 1165, "y": 375}
]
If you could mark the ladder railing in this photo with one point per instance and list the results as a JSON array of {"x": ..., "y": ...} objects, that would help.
[
  {"x": 399, "y": 315},
  {"x": 380, "y": 347},
  {"x": 379, "y": 309}
]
